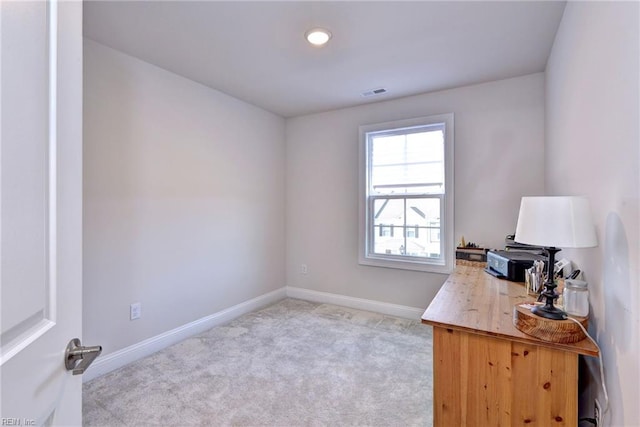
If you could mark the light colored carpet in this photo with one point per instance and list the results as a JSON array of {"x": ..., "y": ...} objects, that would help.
[{"x": 294, "y": 363}]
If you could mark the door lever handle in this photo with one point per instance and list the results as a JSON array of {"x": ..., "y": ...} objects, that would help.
[{"x": 77, "y": 357}]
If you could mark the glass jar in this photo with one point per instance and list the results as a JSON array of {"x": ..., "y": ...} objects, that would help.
[{"x": 576, "y": 298}]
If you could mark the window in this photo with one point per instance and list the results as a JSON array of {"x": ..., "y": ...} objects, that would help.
[{"x": 406, "y": 201}]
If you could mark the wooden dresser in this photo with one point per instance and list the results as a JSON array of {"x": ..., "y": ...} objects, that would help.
[{"x": 488, "y": 373}]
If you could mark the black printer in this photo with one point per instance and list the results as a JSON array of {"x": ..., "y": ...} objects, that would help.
[{"x": 511, "y": 265}]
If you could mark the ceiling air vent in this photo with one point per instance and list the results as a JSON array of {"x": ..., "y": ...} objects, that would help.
[{"x": 373, "y": 92}]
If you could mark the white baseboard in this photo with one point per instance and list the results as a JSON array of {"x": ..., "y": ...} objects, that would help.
[
  {"x": 120, "y": 358},
  {"x": 413, "y": 313}
]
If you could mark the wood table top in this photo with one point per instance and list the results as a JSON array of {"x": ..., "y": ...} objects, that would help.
[{"x": 474, "y": 301}]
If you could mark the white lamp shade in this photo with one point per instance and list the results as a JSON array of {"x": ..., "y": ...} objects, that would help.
[{"x": 559, "y": 221}]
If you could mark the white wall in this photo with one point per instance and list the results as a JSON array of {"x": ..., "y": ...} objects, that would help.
[
  {"x": 184, "y": 199},
  {"x": 499, "y": 139},
  {"x": 592, "y": 148}
]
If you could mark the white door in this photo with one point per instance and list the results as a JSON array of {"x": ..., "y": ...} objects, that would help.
[{"x": 40, "y": 210}]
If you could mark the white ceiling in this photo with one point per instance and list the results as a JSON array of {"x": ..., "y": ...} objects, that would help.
[{"x": 255, "y": 51}]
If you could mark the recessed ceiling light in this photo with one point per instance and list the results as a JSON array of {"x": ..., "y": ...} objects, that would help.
[{"x": 317, "y": 36}]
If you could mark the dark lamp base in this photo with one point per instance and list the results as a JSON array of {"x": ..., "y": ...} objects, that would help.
[{"x": 549, "y": 312}]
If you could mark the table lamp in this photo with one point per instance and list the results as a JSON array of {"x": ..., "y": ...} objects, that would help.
[{"x": 554, "y": 222}]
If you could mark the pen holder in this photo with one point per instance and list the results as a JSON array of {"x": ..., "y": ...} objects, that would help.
[{"x": 533, "y": 281}]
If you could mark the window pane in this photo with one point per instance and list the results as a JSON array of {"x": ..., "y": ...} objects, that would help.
[
  {"x": 424, "y": 216},
  {"x": 407, "y": 226},
  {"x": 408, "y": 164},
  {"x": 388, "y": 225}
]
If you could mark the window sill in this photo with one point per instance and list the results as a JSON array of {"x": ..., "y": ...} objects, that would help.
[{"x": 406, "y": 265}]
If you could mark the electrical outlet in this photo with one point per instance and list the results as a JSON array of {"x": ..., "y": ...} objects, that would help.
[
  {"x": 597, "y": 413},
  {"x": 135, "y": 311},
  {"x": 304, "y": 269}
]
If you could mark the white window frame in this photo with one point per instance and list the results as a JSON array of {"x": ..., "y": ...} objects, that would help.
[{"x": 366, "y": 256}]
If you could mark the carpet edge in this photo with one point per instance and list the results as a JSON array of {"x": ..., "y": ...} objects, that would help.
[
  {"x": 404, "y": 311},
  {"x": 147, "y": 347}
]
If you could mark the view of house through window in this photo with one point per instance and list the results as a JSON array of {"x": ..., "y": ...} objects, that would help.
[
  {"x": 407, "y": 227},
  {"x": 406, "y": 190}
]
